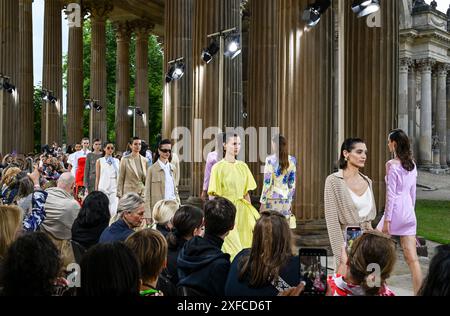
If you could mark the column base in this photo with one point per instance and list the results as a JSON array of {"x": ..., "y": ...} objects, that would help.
[{"x": 425, "y": 166}]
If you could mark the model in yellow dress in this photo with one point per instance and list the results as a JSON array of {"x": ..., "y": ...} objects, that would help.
[{"x": 233, "y": 180}]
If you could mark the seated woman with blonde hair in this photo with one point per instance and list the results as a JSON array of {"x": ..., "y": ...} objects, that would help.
[{"x": 162, "y": 214}]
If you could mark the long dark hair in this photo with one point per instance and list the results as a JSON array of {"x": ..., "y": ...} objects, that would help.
[
  {"x": 437, "y": 282},
  {"x": 185, "y": 221},
  {"x": 95, "y": 210},
  {"x": 348, "y": 145},
  {"x": 282, "y": 152},
  {"x": 271, "y": 250},
  {"x": 403, "y": 149}
]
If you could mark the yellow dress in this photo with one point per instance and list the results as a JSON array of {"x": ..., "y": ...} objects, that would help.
[{"x": 233, "y": 181}]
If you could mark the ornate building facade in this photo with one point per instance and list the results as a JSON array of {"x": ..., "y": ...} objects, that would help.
[{"x": 424, "y": 86}]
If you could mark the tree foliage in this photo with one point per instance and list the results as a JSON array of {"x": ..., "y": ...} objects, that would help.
[{"x": 155, "y": 80}]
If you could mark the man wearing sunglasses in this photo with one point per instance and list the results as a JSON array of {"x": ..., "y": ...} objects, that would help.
[{"x": 160, "y": 183}]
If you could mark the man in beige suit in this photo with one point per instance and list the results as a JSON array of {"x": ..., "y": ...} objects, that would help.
[
  {"x": 132, "y": 171},
  {"x": 160, "y": 183}
]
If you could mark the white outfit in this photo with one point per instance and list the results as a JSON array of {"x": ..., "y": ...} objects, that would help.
[
  {"x": 364, "y": 203},
  {"x": 109, "y": 173},
  {"x": 169, "y": 190}
]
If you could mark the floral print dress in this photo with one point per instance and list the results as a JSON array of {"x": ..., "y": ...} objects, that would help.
[{"x": 279, "y": 187}]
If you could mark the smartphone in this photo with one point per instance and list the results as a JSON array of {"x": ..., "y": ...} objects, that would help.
[
  {"x": 351, "y": 234},
  {"x": 313, "y": 271}
]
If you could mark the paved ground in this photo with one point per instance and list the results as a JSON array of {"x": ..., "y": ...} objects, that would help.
[{"x": 439, "y": 185}]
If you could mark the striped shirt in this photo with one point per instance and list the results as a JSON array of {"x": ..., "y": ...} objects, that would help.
[{"x": 341, "y": 211}]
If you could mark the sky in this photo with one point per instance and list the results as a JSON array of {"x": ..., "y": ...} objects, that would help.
[{"x": 38, "y": 39}]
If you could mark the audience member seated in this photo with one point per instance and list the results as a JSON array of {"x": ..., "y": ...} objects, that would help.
[
  {"x": 150, "y": 248},
  {"x": 32, "y": 267},
  {"x": 130, "y": 212},
  {"x": 437, "y": 283},
  {"x": 353, "y": 278},
  {"x": 270, "y": 262},
  {"x": 61, "y": 211},
  {"x": 8, "y": 187},
  {"x": 13, "y": 221},
  {"x": 163, "y": 212},
  {"x": 10, "y": 222},
  {"x": 109, "y": 270},
  {"x": 202, "y": 266},
  {"x": 187, "y": 223},
  {"x": 92, "y": 220}
]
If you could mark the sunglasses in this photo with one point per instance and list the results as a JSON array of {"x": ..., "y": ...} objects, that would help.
[
  {"x": 110, "y": 148},
  {"x": 166, "y": 151}
]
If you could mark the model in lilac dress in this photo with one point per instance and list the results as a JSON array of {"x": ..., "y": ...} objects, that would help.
[
  {"x": 400, "y": 200},
  {"x": 212, "y": 159}
]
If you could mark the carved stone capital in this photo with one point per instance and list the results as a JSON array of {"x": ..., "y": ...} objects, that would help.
[
  {"x": 426, "y": 64},
  {"x": 405, "y": 63},
  {"x": 99, "y": 9},
  {"x": 442, "y": 69},
  {"x": 123, "y": 31},
  {"x": 142, "y": 28}
]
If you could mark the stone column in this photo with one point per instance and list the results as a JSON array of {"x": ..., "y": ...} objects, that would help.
[
  {"x": 52, "y": 73},
  {"x": 403, "y": 95},
  {"x": 425, "y": 143},
  {"x": 371, "y": 87},
  {"x": 412, "y": 104},
  {"x": 209, "y": 17},
  {"x": 123, "y": 130},
  {"x": 262, "y": 105},
  {"x": 9, "y": 32},
  {"x": 448, "y": 120},
  {"x": 75, "y": 95},
  {"x": 177, "y": 108},
  {"x": 441, "y": 117},
  {"x": 98, "y": 124},
  {"x": 25, "y": 115},
  {"x": 142, "y": 30},
  {"x": 433, "y": 100}
]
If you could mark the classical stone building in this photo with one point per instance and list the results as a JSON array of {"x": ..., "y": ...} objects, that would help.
[
  {"x": 424, "y": 100},
  {"x": 318, "y": 85}
]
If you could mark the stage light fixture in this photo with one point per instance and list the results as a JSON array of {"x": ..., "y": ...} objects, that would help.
[
  {"x": 233, "y": 46},
  {"x": 92, "y": 104},
  {"x": 314, "y": 12},
  {"x": 47, "y": 96},
  {"x": 176, "y": 70},
  {"x": 209, "y": 52},
  {"x": 364, "y": 8}
]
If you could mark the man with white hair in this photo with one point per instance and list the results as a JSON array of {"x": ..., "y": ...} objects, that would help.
[{"x": 61, "y": 211}]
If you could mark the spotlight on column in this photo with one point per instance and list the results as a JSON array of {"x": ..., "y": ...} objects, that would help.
[
  {"x": 139, "y": 112},
  {"x": 130, "y": 111},
  {"x": 5, "y": 84},
  {"x": 233, "y": 46},
  {"x": 93, "y": 104},
  {"x": 176, "y": 70},
  {"x": 209, "y": 52},
  {"x": 313, "y": 12},
  {"x": 98, "y": 107},
  {"x": 365, "y": 7},
  {"x": 47, "y": 96}
]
